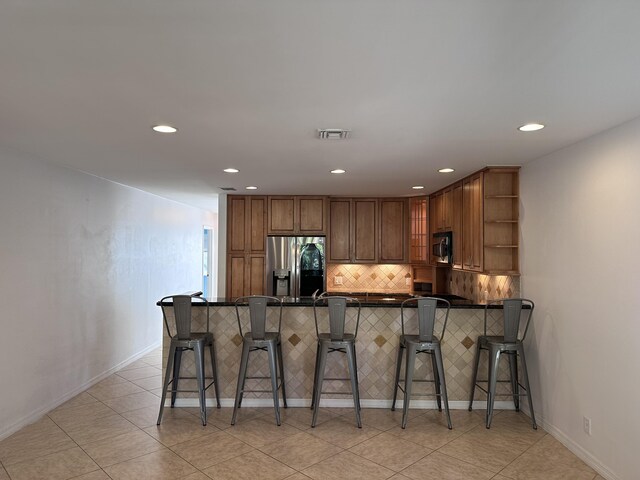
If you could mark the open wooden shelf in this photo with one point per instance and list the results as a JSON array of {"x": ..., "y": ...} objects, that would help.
[{"x": 501, "y": 217}]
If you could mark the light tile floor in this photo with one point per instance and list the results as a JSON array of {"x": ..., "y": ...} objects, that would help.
[{"x": 110, "y": 432}]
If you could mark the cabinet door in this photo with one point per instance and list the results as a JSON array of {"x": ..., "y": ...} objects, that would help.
[
  {"x": 472, "y": 223},
  {"x": 236, "y": 224},
  {"x": 255, "y": 275},
  {"x": 282, "y": 215},
  {"x": 393, "y": 231},
  {"x": 236, "y": 266},
  {"x": 257, "y": 231},
  {"x": 365, "y": 213},
  {"x": 456, "y": 227},
  {"x": 419, "y": 239},
  {"x": 447, "y": 210},
  {"x": 339, "y": 248},
  {"x": 312, "y": 215}
]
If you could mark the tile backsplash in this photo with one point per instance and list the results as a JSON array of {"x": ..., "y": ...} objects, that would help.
[
  {"x": 391, "y": 278},
  {"x": 368, "y": 278},
  {"x": 480, "y": 288}
]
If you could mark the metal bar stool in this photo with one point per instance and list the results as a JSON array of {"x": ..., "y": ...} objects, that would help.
[
  {"x": 185, "y": 339},
  {"x": 511, "y": 344},
  {"x": 336, "y": 341},
  {"x": 424, "y": 342},
  {"x": 258, "y": 339}
]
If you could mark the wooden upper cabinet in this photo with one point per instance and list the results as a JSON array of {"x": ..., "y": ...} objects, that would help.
[
  {"x": 456, "y": 227},
  {"x": 339, "y": 242},
  {"x": 312, "y": 215},
  {"x": 419, "y": 245},
  {"x": 257, "y": 224},
  {"x": 365, "y": 239},
  {"x": 297, "y": 215},
  {"x": 442, "y": 210},
  {"x": 352, "y": 230},
  {"x": 246, "y": 244},
  {"x": 393, "y": 230},
  {"x": 246, "y": 232},
  {"x": 472, "y": 222},
  {"x": 282, "y": 215},
  {"x": 236, "y": 224},
  {"x": 447, "y": 207}
]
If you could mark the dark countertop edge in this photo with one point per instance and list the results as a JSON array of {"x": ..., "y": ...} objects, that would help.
[{"x": 307, "y": 302}]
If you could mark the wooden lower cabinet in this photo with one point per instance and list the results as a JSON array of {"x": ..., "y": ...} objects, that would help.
[{"x": 245, "y": 275}]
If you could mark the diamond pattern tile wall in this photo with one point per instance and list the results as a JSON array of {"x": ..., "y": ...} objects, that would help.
[
  {"x": 376, "y": 347},
  {"x": 480, "y": 288},
  {"x": 368, "y": 278}
]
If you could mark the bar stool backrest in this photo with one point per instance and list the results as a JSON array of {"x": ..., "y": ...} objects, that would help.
[
  {"x": 337, "y": 307},
  {"x": 182, "y": 314},
  {"x": 426, "y": 314},
  {"x": 257, "y": 314},
  {"x": 512, "y": 317}
]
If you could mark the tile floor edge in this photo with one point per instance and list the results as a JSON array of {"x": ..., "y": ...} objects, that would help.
[
  {"x": 42, "y": 411},
  {"x": 575, "y": 448}
]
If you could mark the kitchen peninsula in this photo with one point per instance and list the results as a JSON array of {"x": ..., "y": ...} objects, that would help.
[{"x": 376, "y": 347}]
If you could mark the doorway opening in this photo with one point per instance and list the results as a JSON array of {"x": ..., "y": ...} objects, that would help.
[{"x": 207, "y": 261}]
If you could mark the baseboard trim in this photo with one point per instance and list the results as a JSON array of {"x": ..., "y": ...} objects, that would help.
[
  {"x": 339, "y": 403},
  {"x": 576, "y": 449},
  {"x": 34, "y": 416}
]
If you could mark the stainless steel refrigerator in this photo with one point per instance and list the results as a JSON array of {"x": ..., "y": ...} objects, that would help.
[{"x": 295, "y": 266}]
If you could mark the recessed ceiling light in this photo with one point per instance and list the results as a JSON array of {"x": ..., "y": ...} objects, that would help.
[
  {"x": 446, "y": 170},
  {"x": 338, "y": 170},
  {"x": 251, "y": 187},
  {"x": 164, "y": 129},
  {"x": 418, "y": 187},
  {"x": 531, "y": 127},
  {"x": 231, "y": 170}
]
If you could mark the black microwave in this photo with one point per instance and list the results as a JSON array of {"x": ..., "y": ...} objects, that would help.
[{"x": 443, "y": 247}]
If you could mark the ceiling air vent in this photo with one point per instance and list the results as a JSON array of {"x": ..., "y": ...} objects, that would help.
[
  {"x": 228, "y": 189},
  {"x": 333, "y": 133}
]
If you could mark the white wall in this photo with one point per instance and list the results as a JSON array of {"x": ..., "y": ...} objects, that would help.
[
  {"x": 82, "y": 263},
  {"x": 581, "y": 265}
]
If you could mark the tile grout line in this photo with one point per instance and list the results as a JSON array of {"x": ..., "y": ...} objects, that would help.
[{"x": 89, "y": 456}]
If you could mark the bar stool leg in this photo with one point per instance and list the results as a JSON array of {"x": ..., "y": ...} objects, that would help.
[
  {"x": 353, "y": 368},
  {"x": 323, "y": 350},
  {"x": 476, "y": 365},
  {"x": 513, "y": 370},
  {"x": 284, "y": 391},
  {"x": 355, "y": 360},
  {"x": 242, "y": 373},
  {"x": 199, "y": 361},
  {"x": 408, "y": 381},
  {"x": 273, "y": 369},
  {"x": 315, "y": 375},
  {"x": 436, "y": 380},
  {"x": 214, "y": 372},
  {"x": 397, "y": 377},
  {"x": 437, "y": 354},
  {"x": 525, "y": 374},
  {"x": 176, "y": 374},
  {"x": 494, "y": 360},
  {"x": 167, "y": 379}
]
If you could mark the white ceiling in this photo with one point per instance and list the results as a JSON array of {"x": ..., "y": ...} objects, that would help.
[{"x": 422, "y": 85}]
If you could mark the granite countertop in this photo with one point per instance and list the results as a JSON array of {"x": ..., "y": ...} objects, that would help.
[{"x": 371, "y": 301}]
